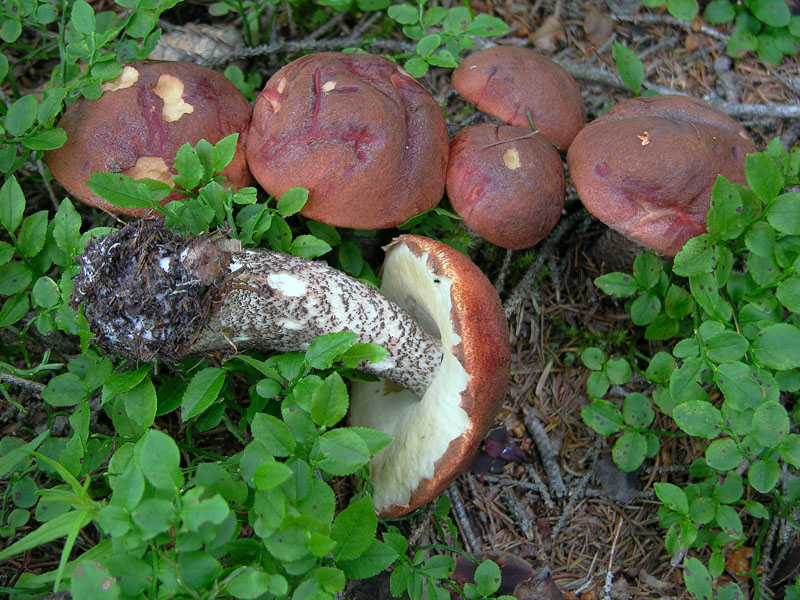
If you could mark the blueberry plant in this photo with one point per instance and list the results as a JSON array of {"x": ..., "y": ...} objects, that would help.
[{"x": 729, "y": 307}]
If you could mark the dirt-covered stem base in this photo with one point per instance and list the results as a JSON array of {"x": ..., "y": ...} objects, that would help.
[{"x": 151, "y": 293}]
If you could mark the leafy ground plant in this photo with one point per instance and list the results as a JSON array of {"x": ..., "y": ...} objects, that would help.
[{"x": 731, "y": 299}]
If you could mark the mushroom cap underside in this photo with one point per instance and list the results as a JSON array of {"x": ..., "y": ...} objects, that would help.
[{"x": 435, "y": 436}]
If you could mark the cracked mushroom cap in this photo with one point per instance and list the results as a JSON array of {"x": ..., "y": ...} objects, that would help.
[
  {"x": 367, "y": 140},
  {"x": 646, "y": 168},
  {"x": 141, "y": 120},
  {"x": 506, "y": 183},
  {"x": 510, "y": 82},
  {"x": 435, "y": 436}
]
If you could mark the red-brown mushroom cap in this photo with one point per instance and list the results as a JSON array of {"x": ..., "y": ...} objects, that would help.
[
  {"x": 506, "y": 183},
  {"x": 646, "y": 168},
  {"x": 435, "y": 436},
  {"x": 367, "y": 140},
  {"x": 143, "y": 117},
  {"x": 510, "y": 82}
]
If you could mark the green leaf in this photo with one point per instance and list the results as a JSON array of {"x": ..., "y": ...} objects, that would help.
[
  {"x": 740, "y": 388},
  {"x": 354, "y": 529},
  {"x": 340, "y": 452},
  {"x": 52, "y": 530},
  {"x": 67, "y": 228},
  {"x": 597, "y": 384},
  {"x": 778, "y": 346},
  {"x": 274, "y": 434},
  {"x": 678, "y": 302},
  {"x": 618, "y": 284},
  {"x": 248, "y": 584},
  {"x": 630, "y": 68},
  {"x": 159, "y": 459},
  {"x": 774, "y": 13},
  {"x": 718, "y": 12},
  {"x": 66, "y": 389},
  {"x": 326, "y": 349},
  {"x": 697, "y": 579},
  {"x": 14, "y": 309},
  {"x": 673, "y": 496},
  {"x": 330, "y": 401},
  {"x": 32, "y": 234},
  {"x": 647, "y": 270},
  {"x": 702, "y": 510},
  {"x": 362, "y": 352},
  {"x": 90, "y": 579},
  {"x": 618, "y": 371},
  {"x": 10, "y": 30},
  {"x": 457, "y": 19},
  {"x": 660, "y": 368},
  {"x": 602, "y": 416},
  {"x": 593, "y": 358},
  {"x": 308, "y": 246},
  {"x": 697, "y": 256},
  {"x": 154, "y": 516},
  {"x": 270, "y": 474},
  {"x": 726, "y": 218},
  {"x": 763, "y": 175},
  {"x": 770, "y": 424},
  {"x": 726, "y": 346},
  {"x": 484, "y": 25},
  {"x": 629, "y": 451},
  {"x": 292, "y": 201},
  {"x": 706, "y": 293},
  {"x": 82, "y": 17},
  {"x": 428, "y": 44},
  {"x": 788, "y": 294},
  {"x": 685, "y": 10},
  {"x": 21, "y": 115},
  {"x": 763, "y": 475},
  {"x": 487, "y": 578},
  {"x": 120, "y": 190},
  {"x": 14, "y": 278},
  {"x": 723, "y": 455},
  {"x": 784, "y": 213},
  {"x": 47, "y": 139},
  {"x": 760, "y": 239},
  {"x": 201, "y": 392},
  {"x": 12, "y": 204},
  {"x": 189, "y": 166},
  {"x": 374, "y": 560},
  {"x": 223, "y": 152},
  {"x": 645, "y": 308},
  {"x": 637, "y": 411},
  {"x": 405, "y": 14},
  {"x": 698, "y": 418}
]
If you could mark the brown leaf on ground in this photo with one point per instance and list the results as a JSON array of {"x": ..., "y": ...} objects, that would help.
[{"x": 549, "y": 34}]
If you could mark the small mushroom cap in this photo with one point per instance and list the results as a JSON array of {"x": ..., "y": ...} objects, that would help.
[
  {"x": 141, "y": 120},
  {"x": 646, "y": 168},
  {"x": 510, "y": 82},
  {"x": 435, "y": 436},
  {"x": 367, "y": 140},
  {"x": 507, "y": 183}
]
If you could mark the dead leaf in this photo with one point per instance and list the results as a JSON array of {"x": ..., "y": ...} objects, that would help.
[
  {"x": 549, "y": 34},
  {"x": 598, "y": 27}
]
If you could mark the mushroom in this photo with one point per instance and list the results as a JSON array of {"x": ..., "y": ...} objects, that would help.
[
  {"x": 141, "y": 120},
  {"x": 507, "y": 183},
  {"x": 514, "y": 83},
  {"x": 368, "y": 142},
  {"x": 646, "y": 167},
  {"x": 150, "y": 293}
]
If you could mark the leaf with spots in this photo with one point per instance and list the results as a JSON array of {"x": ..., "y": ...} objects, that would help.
[
  {"x": 698, "y": 418},
  {"x": 778, "y": 346},
  {"x": 618, "y": 284},
  {"x": 90, "y": 579},
  {"x": 770, "y": 424},
  {"x": 727, "y": 215},
  {"x": 629, "y": 67},
  {"x": 696, "y": 256},
  {"x": 763, "y": 475},
  {"x": 354, "y": 529},
  {"x": 706, "y": 292},
  {"x": 629, "y": 451},
  {"x": 602, "y": 416},
  {"x": 697, "y": 579}
]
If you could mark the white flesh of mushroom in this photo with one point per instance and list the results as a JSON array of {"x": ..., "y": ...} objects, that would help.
[{"x": 422, "y": 428}]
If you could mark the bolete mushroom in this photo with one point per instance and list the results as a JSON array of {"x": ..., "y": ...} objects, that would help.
[
  {"x": 646, "y": 167},
  {"x": 148, "y": 292},
  {"x": 512, "y": 83},
  {"x": 141, "y": 120},
  {"x": 507, "y": 183},
  {"x": 368, "y": 142}
]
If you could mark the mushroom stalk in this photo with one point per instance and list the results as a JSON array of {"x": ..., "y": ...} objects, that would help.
[{"x": 149, "y": 293}]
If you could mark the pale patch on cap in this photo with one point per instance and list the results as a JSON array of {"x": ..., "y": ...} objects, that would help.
[
  {"x": 511, "y": 159},
  {"x": 126, "y": 79},
  {"x": 170, "y": 89},
  {"x": 328, "y": 86},
  {"x": 152, "y": 167}
]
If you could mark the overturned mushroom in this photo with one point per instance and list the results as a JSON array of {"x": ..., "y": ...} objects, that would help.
[
  {"x": 141, "y": 120},
  {"x": 149, "y": 293}
]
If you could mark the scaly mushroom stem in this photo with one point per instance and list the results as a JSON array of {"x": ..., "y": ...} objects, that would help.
[{"x": 149, "y": 293}]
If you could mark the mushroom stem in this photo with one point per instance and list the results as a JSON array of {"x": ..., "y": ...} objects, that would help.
[{"x": 150, "y": 293}]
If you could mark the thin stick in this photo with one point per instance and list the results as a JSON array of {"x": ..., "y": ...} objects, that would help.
[
  {"x": 470, "y": 541},
  {"x": 609, "y": 572},
  {"x": 547, "y": 454}
]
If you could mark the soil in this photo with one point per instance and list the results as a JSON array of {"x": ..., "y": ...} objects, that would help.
[{"x": 543, "y": 486}]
